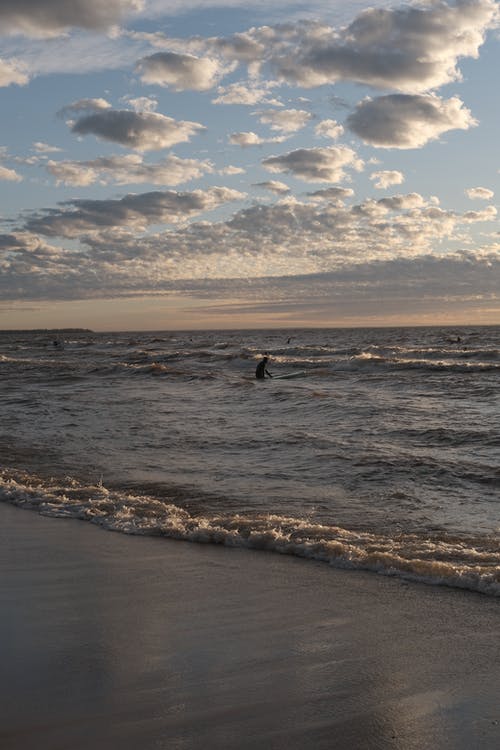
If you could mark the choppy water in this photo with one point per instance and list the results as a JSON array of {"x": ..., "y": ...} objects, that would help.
[{"x": 383, "y": 457}]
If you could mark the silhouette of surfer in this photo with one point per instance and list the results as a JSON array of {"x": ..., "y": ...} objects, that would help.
[{"x": 261, "y": 370}]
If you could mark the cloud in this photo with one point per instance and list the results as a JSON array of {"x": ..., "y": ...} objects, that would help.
[
  {"x": 141, "y": 131},
  {"x": 316, "y": 164},
  {"x": 402, "y": 202},
  {"x": 243, "y": 93},
  {"x": 242, "y": 47},
  {"x": 12, "y": 71},
  {"x": 78, "y": 52},
  {"x": 419, "y": 287},
  {"x": 403, "y": 121},
  {"x": 480, "y": 193},
  {"x": 386, "y": 178},
  {"x": 275, "y": 186},
  {"x": 46, "y": 18},
  {"x": 181, "y": 72},
  {"x": 231, "y": 170},
  {"x": 142, "y": 103},
  {"x": 250, "y": 138},
  {"x": 336, "y": 195},
  {"x": 9, "y": 175},
  {"x": 118, "y": 240},
  {"x": 329, "y": 129},
  {"x": 26, "y": 242},
  {"x": 127, "y": 170},
  {"x": 289, "y": 250},
  {"x": 285, "y": 120},
  {"x": 84, "y": 105},
  {"x": 116, "y": 248},
  {"x": 45, "y": 148},
  {"x": 412, "y": 48},
  {"x": 486, "y": 214},
  {"x": 134, "y": 210}
]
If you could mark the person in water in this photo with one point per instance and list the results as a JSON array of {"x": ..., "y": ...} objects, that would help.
[{"x": 261, "y": 370}]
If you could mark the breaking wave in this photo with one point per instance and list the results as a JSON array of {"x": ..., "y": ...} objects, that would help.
[{"x": 459, "y": 561}]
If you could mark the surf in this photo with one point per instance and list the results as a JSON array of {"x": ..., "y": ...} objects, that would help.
[{"x": 440, "y": 559}]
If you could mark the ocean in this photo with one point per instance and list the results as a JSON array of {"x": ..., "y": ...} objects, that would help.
[{"x": 383, "y": 456}]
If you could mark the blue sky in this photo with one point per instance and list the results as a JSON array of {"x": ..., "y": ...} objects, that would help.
[{"x": 200, "y": 165}]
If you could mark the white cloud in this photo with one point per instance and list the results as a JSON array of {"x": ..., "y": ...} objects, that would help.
[
  {"x": 250, "y": 138},
  {"x": 142, "y": 103},
  {"x": 241, "y": 47},
  {"x": 45, "y": 18},
  {"x": 480, "y": 193},
  {"x": 329, "y": 129},
  {"x": 275, "y": 186},
  {"x": 285, "y": 120},
  {"x": 386, "y": 178},
  {"x": 9, "y": 175},
  {"x": 246, "y": 139},
  {"x": 84, "y": 105},
  {"x": 231, "y": 170},
  {"x": 336, "y": 195},
  {"x": 12, "y": 71},
  {"x": 403, "y": 121},
  {"x": 411, "y": 48},
  {"x": 45, "y": 148},
  {"x": 127, "y": 170},
  {"x": 408, "y": 49},
  {"x": 242, "y": 93},
  {"x": 181, "y": 72},
  {"x": 486, "y": 214},
  {"x": 402, "y": 202},
  {"x": 358, "y": 245},
  {"x": 316, "y": 164},
  {"x": 141, "y": 131},
  {"x": 137, "y": 211}
]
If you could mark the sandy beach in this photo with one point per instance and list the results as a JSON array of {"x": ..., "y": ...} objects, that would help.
[{"x": 112, "y": 641}]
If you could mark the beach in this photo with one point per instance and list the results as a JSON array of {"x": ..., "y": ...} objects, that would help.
[{"x": 133, "y": 642}]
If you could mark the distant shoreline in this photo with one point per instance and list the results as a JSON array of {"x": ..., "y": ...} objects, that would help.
[
  {"x": 46, "y": 330},
  {"x": 289, "y": 329}
]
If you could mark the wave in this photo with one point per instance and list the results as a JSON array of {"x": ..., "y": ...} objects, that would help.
[
  {"x": 222, "y": 359},
  {"x": 453, "y": 437},
  {"x": 442, "y": 559},
  {"x": 367, "y": 359},
  {"x": 433, "y": 352}
]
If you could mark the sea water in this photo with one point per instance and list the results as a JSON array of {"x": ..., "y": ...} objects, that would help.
[{"x": 383, "y": 457}]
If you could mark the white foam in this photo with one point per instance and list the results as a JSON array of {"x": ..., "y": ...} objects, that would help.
[{"x": 451, "y": 561}]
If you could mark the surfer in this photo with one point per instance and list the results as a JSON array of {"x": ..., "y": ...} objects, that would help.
[{"x": 261, "y": 370}]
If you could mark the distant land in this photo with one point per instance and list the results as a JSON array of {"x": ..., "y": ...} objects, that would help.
[{"x": 46, "y": 330}]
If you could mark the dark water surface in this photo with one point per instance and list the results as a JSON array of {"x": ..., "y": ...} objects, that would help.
[{"x": 383, "y": 456}]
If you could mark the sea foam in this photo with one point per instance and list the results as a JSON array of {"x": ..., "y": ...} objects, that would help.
[{"x": 455, "y": 561}]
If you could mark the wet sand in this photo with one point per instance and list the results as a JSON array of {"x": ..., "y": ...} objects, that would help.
[{"x": 139, "y": 643}]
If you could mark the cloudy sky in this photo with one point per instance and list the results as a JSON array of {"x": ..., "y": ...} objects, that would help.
[{"x": 196, "y": 164}]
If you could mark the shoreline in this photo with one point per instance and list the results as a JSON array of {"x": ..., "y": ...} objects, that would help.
[{"x": 131, "y": 642}]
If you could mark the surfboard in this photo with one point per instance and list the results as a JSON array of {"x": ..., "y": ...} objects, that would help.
[{"x": 288, "y": 375}]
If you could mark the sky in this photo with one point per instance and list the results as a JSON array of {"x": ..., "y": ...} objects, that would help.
[{"x": 169, "y": 164}]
